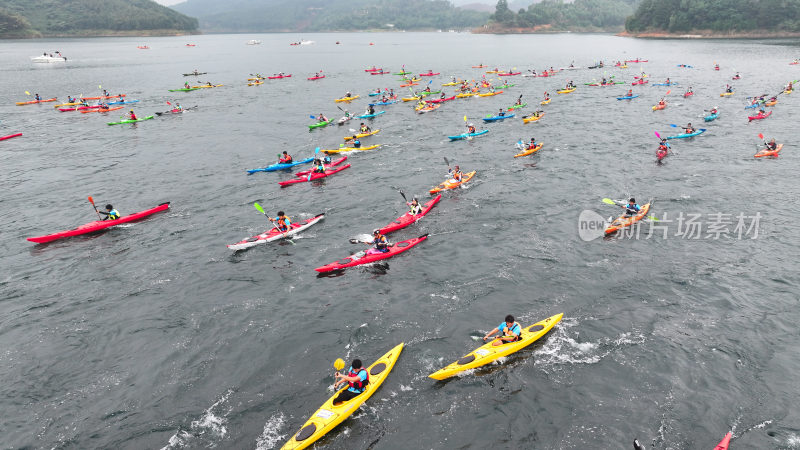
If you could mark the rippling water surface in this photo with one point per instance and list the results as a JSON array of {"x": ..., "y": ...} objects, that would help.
[{"x": 154, "y": 334}]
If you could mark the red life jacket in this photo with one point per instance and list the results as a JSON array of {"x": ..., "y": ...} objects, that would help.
[{"x": 358, "y": 385}]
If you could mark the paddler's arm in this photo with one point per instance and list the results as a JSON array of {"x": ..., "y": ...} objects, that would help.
[{"x": 489, "y": 334}]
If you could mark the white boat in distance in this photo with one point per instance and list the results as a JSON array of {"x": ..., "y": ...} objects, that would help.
[
  {"x": 253, "y": 42},
  {"x": 48, "y": 58}
]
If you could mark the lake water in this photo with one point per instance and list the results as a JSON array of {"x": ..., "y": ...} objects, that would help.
[{"x": 155, "y": 335}]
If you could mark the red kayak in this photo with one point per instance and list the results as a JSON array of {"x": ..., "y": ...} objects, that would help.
[
  {"x": 273, "y": 234},
  {"x": 371, "y": 256},
  {"x": 759, "y": 116},
  {"x": 407, "y": 219},
  {"x": 687, "y": 94},
  {"x": 3, "y": 138},
  {"x": 639, "y": 81},
  {"x": 374, "y": 69},
  {"x": 99, "y": 225},
  {"x": 327, "y": 166},
  {"x": 277, "y": 77},
  {"x": 441, "y": 100},
  {"x": 316, "y": 78},
  {"x": 429, "y": 74},
  {"x": 508, "y": 74},
  {"x": 723, "y": 444},
  {"x": 661, "y": 154},
  {"x": 314, "y": 176}
]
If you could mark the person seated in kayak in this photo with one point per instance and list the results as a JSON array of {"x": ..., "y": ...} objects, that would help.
[
  {"x": 519, "y": 101},
  {"x": 631, "y": 209},
  {"x": 384, "y": 99},
  {"x": 380, "y": 241},
  {"x": 667, "y": 82},
  {"x": 322, "y": 118},
  {"x": 546, "y": 96},
  {"x": 604, "y": 81},
  {"x": 326, "y": 160},
  {"x": 416, "y": 208},
  {"x": 37, "y": 97},
  {"x": 471, "y": 128},
  {"x": 318, "y": 166},
  {"x": 178, "y": 107},
  {"x": 662, "y": 102},
  {"x": 286, "y": 158},
  {"x": 690, "y": 91},
  {"x": 357, "y": 377},
  {"x": 531, "y": 145},
  {"x": 370, "y": 109},
  {"x": 103, "y": 107},
  {"x": 348, "y": 94},
  {"x": 773, "y": 99},
  {"x": 364, "y": 128},
  {"x": 762, "y": 111},
  {"x": 427, "y": 89},
  {"x": 716, "y": 66},
  {"x": 663, "y": 148},
  {"x": 501, "y": 113},
  {"x": 186, "y": 85},
  {"x": 689, "y": 129},
  {"x": 630, "y": 93},
  {"x": 789, "y": 87},
  {"x": 132, "y": 115},
  {"x": 713, "y": 110},
  {"x": 105, "y": 93},
  {"x": 508, "y": 331},
  {"x": 442, "y": 97},
  {"x": 728, "y": 88},
  {"x": 356, "y": 142},
  {"x": 282, "y": 222},
  {"x": 391, "y": 93},
  {"x": 736, "y": 77},
  {"x": 771, "y": 145},
  {"x": 70, "y": 99},
  {"x": 455, "y": 173},
  {"x": 378, "y": 91},
  {"x": 110, "y": 213}
]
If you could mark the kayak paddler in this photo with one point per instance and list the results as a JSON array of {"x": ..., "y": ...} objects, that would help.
[
  {"x": 322, "y": 118},
  {"x": 631, "y": 209},
  {"x": 663, "y": 148},
  {"x": 132, "y": 115},
  {"x": 662, "y": 102},
  {"x": 501, "y": 113},
  {"x": 532, "y": 145},
  {"x": 509, "y": 331},
  {"x": 728, "y": 88},
  {"x": 630, "y": 93},
  {"x": 364, "y": 128},
  {"x": 771, "y": 145},
  {"x": 416, "y": 208},
  {"x": 689, "y": 128},
  {"x": 356, "y": 142},
  {"x": 37, "y": 97},
  {"x": 357, "y": 377},
  {"x": 455, "y": 173},
  {"x": 186, "y": 85},
  {"x": 286, "y": 158},
  {"x": 380, "y": 242},
  {"x": 471, "y": 128},
  {"x": 282, "y": 222},
  {"x": 178, "y": 107},
  {"x": 370, "y": 109},
  {"x": 318, "y": 166},
  {"x": 110, "y": 213}
]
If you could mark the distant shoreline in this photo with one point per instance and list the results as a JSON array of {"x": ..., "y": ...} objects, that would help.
[
  {"x": 107, "y": 33},
  {"x": 708, "y": 34}
]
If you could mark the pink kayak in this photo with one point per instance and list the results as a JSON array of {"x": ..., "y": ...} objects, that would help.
[
  {"x": 314, "y": 176},
  {"x": 441, "y": 100},
  {"x": 327, "y": 166},
  {"x": 723, "y": 444},
  {"x": 408, "y": 219},
  {"x": 316, "y": 78},
  {"x": 759, "y": 116},
  {"x": 371, "y": 256},
  {"x": 273, "y": 234},
  {"x": 98, "y": 225},
  {"x": 429, "y": 74},
  {"x": 277, "y": 77}
]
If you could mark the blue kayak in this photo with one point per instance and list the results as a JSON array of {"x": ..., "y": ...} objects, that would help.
[
  {"x": 383, "y": 103},
  {"x": 370, "y": 116},
  {"x": 628, "y": 97},
  {"x": 495, "y": 118},
  {"x": 466, "y": 135},
  {"x": 123, "y": 103},
  {"x": 681, "y": 136},
  {"x": 754, "y": 105},
  {"x": 373, "y": 94},
  {"x": 685, "y": 65},
  {"x": 281, "y": 166},
  {"x": 711, "y": 117},
  {"x": 663, "y": 84}
]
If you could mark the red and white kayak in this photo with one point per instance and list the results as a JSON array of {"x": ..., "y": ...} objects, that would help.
[
  {"x": 724, "y": 443},
  {"x": 409, "y": 219},
  {"x": 273, "y": 234},
  {"x": 371, "y": 256},
  {"x": 314, "y": 176},
  {"x": 3, "y": 138},
  {"x": 327, "y": 166},
  {"x": 98, "y": 225},
  {"x": 441, "y": 100}
]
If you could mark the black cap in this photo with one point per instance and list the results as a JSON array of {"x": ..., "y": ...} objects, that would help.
[{"x": 108, "y": 206}]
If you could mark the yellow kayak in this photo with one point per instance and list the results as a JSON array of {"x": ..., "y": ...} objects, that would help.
[
  {"x": 725, "y": 94},
  {"x": 529, "y": 151},
  {"x": 255, "y": 83},
  {"x": 256, "y": 79},
  {"x": 566, "y": 91},
  {"x": 67, "y": 104},
  {"x": 350, "y": 149},
  {"x": 452, "y": 184},
  {"x": 544, "y": 102},
  {"x": 788, "y": 92},
  {"x": 361, "y": 135},
  {"x": 487, "y": 353},
  {"x": 532, "y": 118},
  {"x": 207, "y": 86},
  {"x": 328, "y": 416},
  {"x": 346, "y": 99},
  {"x": 465, "y": 94},
  {"x": 410, "y": 99},
  {"x": 489, "y": 94},
  {"x": 452, "y": 83}
]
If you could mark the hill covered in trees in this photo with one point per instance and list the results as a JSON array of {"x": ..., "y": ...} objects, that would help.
[
  {"x": 557, "y": 15},
  {"x": 716, "y": 16},
  {"x": 328, "y": 15},
  {"x": 36, "y": 18}
]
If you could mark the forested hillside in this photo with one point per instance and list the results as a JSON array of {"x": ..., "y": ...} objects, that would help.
[
  {"x": 676, "y": 16},
  {"x": 556, "y": 15},
  {"x": 328, "y": 15},
  {"x": 30, "y": 18}
]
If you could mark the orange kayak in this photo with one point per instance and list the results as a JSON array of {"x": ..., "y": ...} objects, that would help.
[
  {"x": 657, "y": 107},
  {"x": 84, "y": 111},
  {"x": 765, "y": 152},
  {"x": 36, "y": 101},
  {"x": 624, "y": 221},
  {"x": 452, "y": 184}
]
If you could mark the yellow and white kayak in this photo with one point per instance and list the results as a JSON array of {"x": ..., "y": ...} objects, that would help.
[
  {"x": 487, "y": 353},
  {"x": 328, "y": 416},
  {"x": 350, "y": 149},
  {"x": 544, "y": 102},
  {"x": 361, "y": 135}
]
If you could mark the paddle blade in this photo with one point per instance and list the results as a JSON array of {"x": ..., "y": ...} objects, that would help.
[
  {"x": 91, "y": 200},
  {"x": 316, "y": 150},
  {"x": 668, "y": 92},
  {"x": 99, "y": 87},
  {"x": 657, "y": 135},
  {"x": 609, "y": 201},
  {"x": 404, "y": 195},
  {"x": 311, "y": 116},
  {"x": 760, "y": 136},
  {"x": 465, "y": 117},
  {"x": 338, "y": 364},
  {"x": 27, "y": 93},
  {"x": 446, "y": 161},
  {"x": 259, "y": 208}
]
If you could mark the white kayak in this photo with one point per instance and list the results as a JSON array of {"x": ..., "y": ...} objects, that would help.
[{"x": 273, "y": 234}]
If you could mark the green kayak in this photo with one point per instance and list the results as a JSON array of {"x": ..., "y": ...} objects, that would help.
[
  {"x": 402, "y": 73},
  {"x": 518, "y": 106},
  {"x": 130, "y": 121},
  {"x": 425, "y": 93},
  {"x": 505, "y": 86},
  {"x": 319, "y": 124},
  {"x": 184, "y": 90}
]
